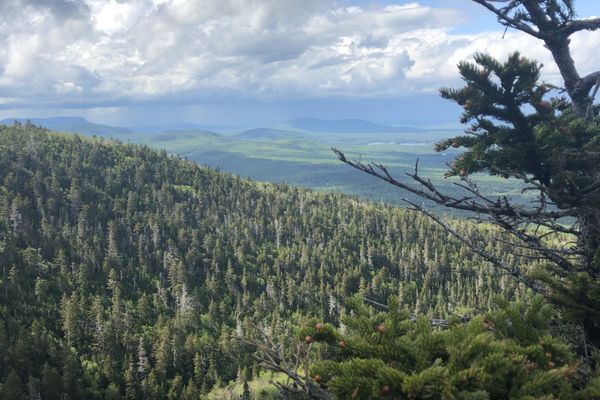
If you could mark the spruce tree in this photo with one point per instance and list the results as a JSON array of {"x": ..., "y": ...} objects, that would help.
[
  {"x": 506, "y": 354},
  {"x": 12, "y": 388}
]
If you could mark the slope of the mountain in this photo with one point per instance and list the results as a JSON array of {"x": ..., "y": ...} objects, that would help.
[
  {"x": 345, "y": 126},
  {"x": 129, "y": 273},
  {"x": 75, "y": 125}
]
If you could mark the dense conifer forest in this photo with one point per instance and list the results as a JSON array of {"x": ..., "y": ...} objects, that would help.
[{"x": 130, "y": 273}]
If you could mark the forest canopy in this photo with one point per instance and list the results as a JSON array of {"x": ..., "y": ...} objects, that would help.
[{"x": 130, "y": 273}]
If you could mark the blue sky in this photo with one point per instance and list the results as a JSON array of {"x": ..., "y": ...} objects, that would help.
[{"x": 249, "y": 62}]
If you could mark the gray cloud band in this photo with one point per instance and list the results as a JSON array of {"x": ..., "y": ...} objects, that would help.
[{"x": 101, "y": 52}]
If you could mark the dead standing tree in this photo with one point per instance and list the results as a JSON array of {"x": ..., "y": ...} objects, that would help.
[{"x": 551, "y": 144}]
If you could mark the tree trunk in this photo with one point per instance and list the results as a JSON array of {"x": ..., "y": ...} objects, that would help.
[
  {"x": 589, "y": 240},
  {"x": 589, "y": 245},
  {"x": 559, "y": 47}
]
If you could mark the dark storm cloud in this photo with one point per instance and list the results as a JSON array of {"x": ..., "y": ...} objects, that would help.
[{"x": 61, "y": 9}]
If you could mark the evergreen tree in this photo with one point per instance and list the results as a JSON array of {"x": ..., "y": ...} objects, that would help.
[
  {"x": 51, "y": 383},
  {"x": 506, "y": 354},
  {"x": 12, "y": 388},
  {"x": 551, "y": 144}
]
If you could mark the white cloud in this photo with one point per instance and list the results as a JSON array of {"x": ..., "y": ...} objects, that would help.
[{"x": 110, "y": 51}]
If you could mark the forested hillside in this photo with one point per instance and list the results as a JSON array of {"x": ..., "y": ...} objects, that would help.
[{"x": 129, "y": 273}]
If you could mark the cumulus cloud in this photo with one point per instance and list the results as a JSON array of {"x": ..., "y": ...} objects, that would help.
[{"x": 106, "y": 52}]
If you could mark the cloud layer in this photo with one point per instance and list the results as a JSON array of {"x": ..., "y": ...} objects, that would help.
[{"x": 88, "y": 53}]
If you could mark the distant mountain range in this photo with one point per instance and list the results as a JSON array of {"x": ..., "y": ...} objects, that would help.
[
  {"x": 170, "y": 135},
  {"x": 73, "y": 124},
  {"x": 345, "y": 126},
  {"x": 291, "y": 128},
  {"x": 183, "y": 126},
  {"x": 268, "y": 133}
]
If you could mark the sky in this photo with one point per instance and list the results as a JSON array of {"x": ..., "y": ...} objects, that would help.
[{"x": 250, "y": 62}]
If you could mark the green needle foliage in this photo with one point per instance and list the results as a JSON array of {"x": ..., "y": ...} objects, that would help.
[
  {"x": 516, "y": 132},
  {"x": 507, "y": 354},
  {"x": 515, "y": 128}
]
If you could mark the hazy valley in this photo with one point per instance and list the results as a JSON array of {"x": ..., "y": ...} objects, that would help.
[{"x": 298, "y": 152}]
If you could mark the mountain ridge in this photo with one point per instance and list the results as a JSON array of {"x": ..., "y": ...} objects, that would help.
[
  {"x": 78, "y": 125},
  {"x": 351, "y": 125},
  {"x": 268, "y": 133},
  {"x": 81, "y": 125}
]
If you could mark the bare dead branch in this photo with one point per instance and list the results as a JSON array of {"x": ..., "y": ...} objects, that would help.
[
  {"x": 435, "y": 322},
  {"x": 500, "y": 212},
  {"x": 534, "y": 243},
  {"x": 271, "y": 357},
  {"x": 514, "y": 271},
  {"x": 505, "y": 19},
  {"x": 430, "y": 192},
  {"x": 585, "y": 84},
  {"x": 580, "y": 25}
]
